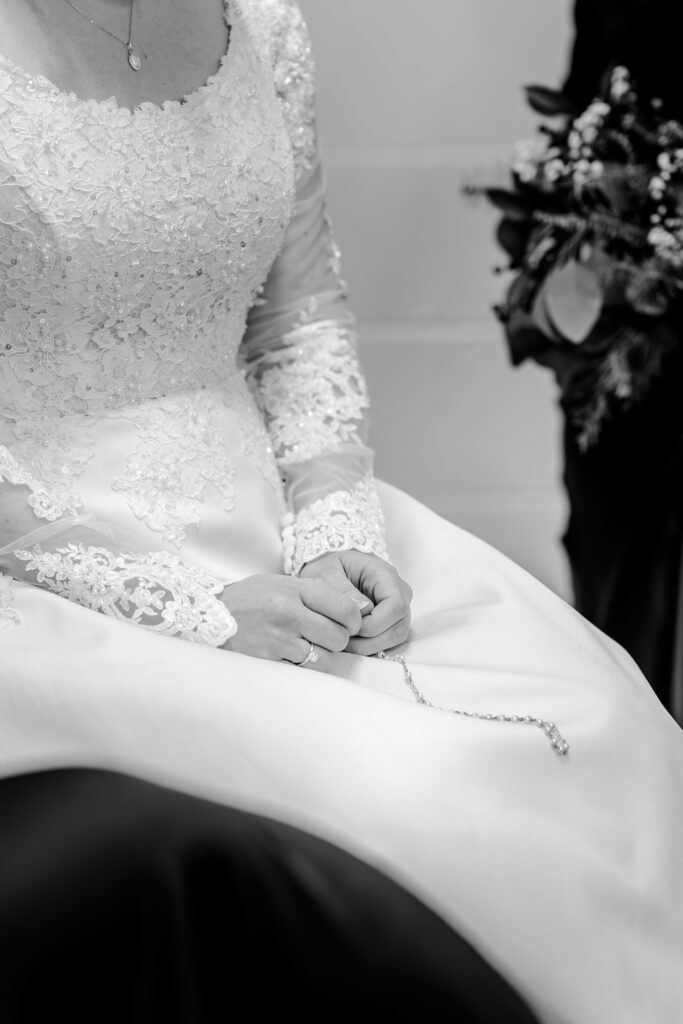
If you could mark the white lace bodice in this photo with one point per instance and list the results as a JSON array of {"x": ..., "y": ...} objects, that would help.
[{"x": 158, "y": 268}]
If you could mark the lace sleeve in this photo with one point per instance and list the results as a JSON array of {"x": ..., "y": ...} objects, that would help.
[
  {"x": 300, "y": 348},
  {"x": 77, "y": 557}
]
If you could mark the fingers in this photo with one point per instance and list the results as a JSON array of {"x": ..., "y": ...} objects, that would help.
[
  {"x": 388, "y": 624},
  {"x": 392, "y": 637},
  {"x": 392, "y": 598},
  {"x": 340, "y": 606},
  {"x": 323, "y": 631}
]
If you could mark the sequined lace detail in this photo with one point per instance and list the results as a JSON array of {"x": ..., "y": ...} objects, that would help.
[
  {"x": 56, "y": 450},
  {"x": 288, "y": 40},
  {"x": 155, "y": 590},
  {"x": 179, "y": 455},
  {"x": 132, "y": 247},
  {"x": 339, "y": 521},
  {"x": 8, "y": 613},
  {"x": 44, "y": 504},
  {"x": 312, "y": 391}
]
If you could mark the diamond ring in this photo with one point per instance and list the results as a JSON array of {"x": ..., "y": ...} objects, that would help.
[{"x": 310, "y": 658}]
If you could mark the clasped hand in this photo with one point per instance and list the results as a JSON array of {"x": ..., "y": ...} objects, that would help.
[{"x": 341, "y": 601}]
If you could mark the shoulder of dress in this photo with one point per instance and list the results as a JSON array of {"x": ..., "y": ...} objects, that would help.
[
  {"x": 286, "y": 41},
  {"x": 276, "y": 20}
]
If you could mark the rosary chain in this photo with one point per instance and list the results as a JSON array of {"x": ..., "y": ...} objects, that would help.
[{"x": 555, "y": 737}]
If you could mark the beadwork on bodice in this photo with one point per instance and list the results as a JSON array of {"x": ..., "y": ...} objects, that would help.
[{"x": 133, "y": 243}]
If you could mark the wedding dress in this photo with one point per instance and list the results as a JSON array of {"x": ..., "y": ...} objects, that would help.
[{"x": 182, "y": 405}]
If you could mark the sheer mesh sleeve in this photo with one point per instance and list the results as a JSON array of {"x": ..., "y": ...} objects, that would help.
[
  {"x": 47, "y": 543},
  {"x": 300, "y": 348}
]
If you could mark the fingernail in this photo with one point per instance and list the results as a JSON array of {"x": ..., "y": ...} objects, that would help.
[{"x": 362, "y": 603}]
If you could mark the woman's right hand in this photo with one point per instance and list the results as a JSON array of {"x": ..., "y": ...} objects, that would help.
[{"x": 279, "y": 617}]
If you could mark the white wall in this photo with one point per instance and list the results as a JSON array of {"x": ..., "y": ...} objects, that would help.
[{"x": 414, "y": 100}]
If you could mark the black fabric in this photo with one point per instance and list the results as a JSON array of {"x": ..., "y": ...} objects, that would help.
[
  {"x": 123, "y": 902},
  {"x": 625, "y": 493},
  {"x": 625, "y": 527},
  {"x": 643, "y": 35}
]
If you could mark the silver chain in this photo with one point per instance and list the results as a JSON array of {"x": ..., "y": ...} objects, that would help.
[
  {"x": 133, "y": 58},
  {"x": 555, "y": 737}
]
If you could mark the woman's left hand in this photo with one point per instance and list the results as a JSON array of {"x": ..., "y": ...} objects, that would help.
[{"x": 383, "y": 597}]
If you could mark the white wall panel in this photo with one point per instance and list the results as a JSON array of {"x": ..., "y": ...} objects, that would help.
[{"x": 450, "y": 426}]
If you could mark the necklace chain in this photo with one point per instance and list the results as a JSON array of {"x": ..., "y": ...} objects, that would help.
[
  {"x": 555, "y": 737},
  {"x": 133, "y": 59}
]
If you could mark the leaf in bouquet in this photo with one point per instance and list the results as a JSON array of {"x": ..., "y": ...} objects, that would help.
[
  {"x": 571, "y": 247},
  {"x": 543, "y": 247},
  {"x": 615, "y": 376},
  {"x": 524, "y": 339},
  {"x": 615, "y": 278},
  {"x": 572, "y": 299},
  {"x": 636, "y": 359},
  {"x": 542, "y": 319},
  {"x": 616, "y": 190},
  {"x": 649, "y": 350},
  {"x": 587, "y": 421},
  {"x": 512, "y": 235},
  {"x": 647, "y": 291},
  {"x": 549, "y": 102},
  {"x": 510, "y": 203},
  {"x": 521, "y": 294}
]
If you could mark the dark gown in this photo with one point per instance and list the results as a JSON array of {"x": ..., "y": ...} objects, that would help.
[
  {"x": 626, "y": 492},
  {"x": 124, "y": 902}
]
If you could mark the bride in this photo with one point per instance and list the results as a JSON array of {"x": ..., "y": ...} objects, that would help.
[{"x": 183, "y": 447}]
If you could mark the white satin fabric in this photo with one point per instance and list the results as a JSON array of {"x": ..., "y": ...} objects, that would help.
[{"x": 564, "y": 872}]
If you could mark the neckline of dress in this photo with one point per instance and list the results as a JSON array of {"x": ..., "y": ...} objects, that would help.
[{"x": 110, "y": 105}]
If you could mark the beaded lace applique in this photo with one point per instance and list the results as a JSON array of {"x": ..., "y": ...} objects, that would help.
[
  {"x": 337, "y": 522},
  {"x": 155, "y": 590},
  {"x": 55, "y": 451},
  {"x": 312, "y": 391},
  {"x": 8, "y": 613},
  {"x": 288, "y": 44},
  {"x": 179, "y": 455},
  {"x": 44, "y": 504},
  {"x": 130, "y": 278}
]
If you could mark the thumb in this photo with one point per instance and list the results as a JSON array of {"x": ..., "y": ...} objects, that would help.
[{"x": 340, "y": 582}]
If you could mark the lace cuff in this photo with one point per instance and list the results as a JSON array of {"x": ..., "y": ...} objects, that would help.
[
  {"x": 339, "y": 521},
  {"x": 155, "y": 590}
]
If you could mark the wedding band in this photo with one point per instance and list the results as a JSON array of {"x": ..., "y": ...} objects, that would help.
[{"x": 310, "y": 658}]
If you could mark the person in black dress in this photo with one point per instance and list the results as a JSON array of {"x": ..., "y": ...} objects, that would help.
[{"x": 625, "y": 491}]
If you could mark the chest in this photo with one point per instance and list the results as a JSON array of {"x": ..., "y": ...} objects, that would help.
[
  {"x": 89, "y": 190},
  {"x": 81, "y": 45},
  {"x": 133, "y": 243}
]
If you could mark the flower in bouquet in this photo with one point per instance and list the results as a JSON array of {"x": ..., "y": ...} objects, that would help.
[{"x": 593, "y": 225}]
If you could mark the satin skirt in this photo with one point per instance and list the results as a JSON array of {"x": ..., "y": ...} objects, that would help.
[{"x": 564, "y": 872}]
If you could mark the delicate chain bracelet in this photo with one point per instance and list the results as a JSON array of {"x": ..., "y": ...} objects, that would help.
[{"x": 555, "y": 737}]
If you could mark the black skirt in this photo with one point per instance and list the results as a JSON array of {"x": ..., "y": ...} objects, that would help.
[{"x": 123, "y": 902}]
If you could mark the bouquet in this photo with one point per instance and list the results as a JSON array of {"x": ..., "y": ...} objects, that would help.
[{"x": 593, "y": 226}]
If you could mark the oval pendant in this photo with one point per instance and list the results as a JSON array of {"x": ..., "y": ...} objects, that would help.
[{"x": 134, "y": 60}]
